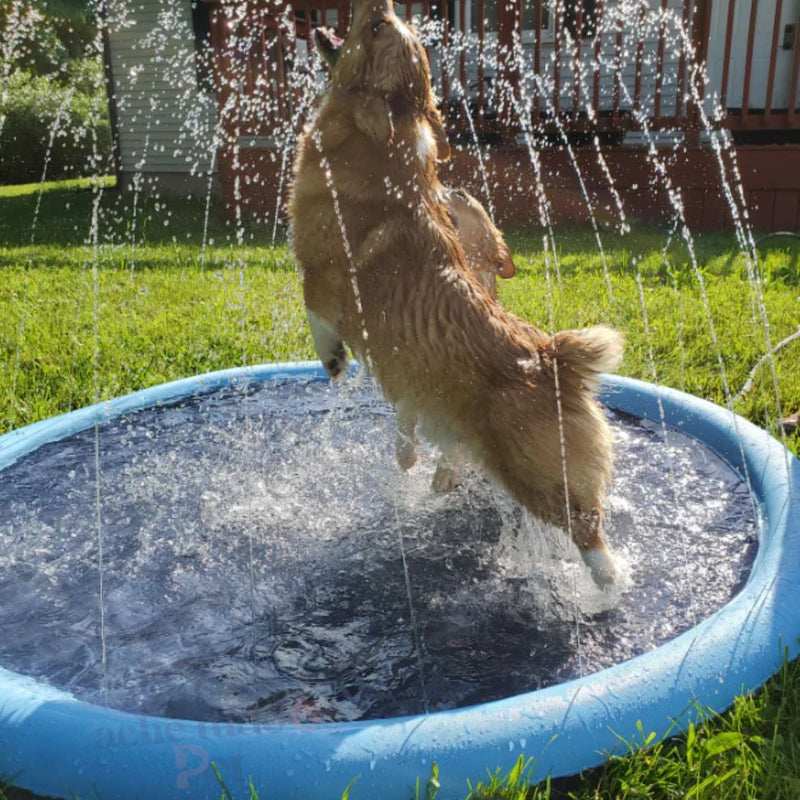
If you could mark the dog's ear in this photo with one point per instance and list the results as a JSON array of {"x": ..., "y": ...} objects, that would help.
[
  {"x": 374, "y": 119},
  {"x": 327, "y": 56},
  {"x": 328, "y": 46}
]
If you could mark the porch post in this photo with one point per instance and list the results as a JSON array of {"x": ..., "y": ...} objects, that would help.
[
  {"x": 222, "y": 68},
  {"x": 701, "y": 30},
  {"x": 509, "y": 38}
]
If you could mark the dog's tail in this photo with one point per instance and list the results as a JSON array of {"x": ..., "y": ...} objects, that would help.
[{"x": 588, "y": 352}]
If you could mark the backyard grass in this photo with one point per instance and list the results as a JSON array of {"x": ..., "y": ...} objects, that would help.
[{"x": 102, "y": 294}]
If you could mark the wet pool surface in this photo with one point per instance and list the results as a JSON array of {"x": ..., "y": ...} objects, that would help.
[{"x": 265, "y": 560}]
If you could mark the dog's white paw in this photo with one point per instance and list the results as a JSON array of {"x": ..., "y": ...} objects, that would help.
[
  {"x": 605, "y": 572},
  {"x": 337, "y": 363},
  {"x": 329, "y": 346}
]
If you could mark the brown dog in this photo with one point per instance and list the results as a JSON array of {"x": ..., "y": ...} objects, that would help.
[
  {"x": 485, "y": 249},
  {"x": 383, "y": 270},
  {"x": 487, "y": 255}
]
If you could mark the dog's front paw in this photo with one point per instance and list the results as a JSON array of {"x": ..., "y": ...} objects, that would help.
[
  {"x": 329, "y": 345},
  {"x": 446, "y": 478},
  {"x": 337, "y": 363}
]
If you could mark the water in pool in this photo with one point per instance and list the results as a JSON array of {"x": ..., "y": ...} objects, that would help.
[{"x": 265, "y": 560}]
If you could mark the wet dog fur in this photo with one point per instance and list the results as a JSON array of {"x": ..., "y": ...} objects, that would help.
[
  {"x": 485, "y": 250},
  {"x": 383, "y": 270},
  {"x": 487, "y": 254}
]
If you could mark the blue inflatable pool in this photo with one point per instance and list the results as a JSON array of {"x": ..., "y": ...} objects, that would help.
[{"x": 58, "y": 746}]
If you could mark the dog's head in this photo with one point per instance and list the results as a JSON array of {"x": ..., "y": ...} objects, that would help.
[{"x": 381, "y": 55}]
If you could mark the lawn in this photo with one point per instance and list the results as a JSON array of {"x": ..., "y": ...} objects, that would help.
[{"x": 102, "y": 294}]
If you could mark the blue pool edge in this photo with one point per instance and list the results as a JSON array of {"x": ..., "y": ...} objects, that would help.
[{"x": 58, "y": 746}]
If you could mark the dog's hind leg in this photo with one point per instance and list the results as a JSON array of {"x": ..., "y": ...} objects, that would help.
[{"x": 329, "y": 345}]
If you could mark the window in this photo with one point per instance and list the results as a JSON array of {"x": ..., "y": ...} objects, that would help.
[
  {"x": 529, "y": 12},
  {"x": 300, "y": 17},
  {"x": 588, "y": 18},
  {"x": 489, "y": 16},
  {"x": 529, "y": 15},
  {"x": 417, "y": 11},
  {"x": 203, "y": 62}
]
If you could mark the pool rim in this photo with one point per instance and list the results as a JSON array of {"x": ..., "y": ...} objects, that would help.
[{"x": 565, "y": 728}]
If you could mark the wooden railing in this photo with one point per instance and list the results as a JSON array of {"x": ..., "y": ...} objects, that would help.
[
  {"x": 755, "y": 97},
  {"x": 561, "y": 67}
]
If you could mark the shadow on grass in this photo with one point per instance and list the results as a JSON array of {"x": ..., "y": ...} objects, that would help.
[{"x": 63, "y": 214}]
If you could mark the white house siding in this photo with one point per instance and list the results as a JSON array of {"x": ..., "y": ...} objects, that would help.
[
  {"x": 765, "y": 20},
  {"x": 166, "y": 124}
]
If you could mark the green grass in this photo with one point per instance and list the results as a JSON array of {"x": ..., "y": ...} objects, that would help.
[
  {"x": 27, "y": 189},
  {"x": 149, "y": 295}
]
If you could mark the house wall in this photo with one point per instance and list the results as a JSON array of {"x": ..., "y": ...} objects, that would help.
[
  {"x": 762, "y": 45},
  {"x": 166, "y": 123},
  {"x": 768, "y": 175},
  {"x": 768, "y": 184}
]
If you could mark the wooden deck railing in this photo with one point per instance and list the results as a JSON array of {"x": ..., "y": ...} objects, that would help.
[
  {"x": 777, "y": 105},
  {"x": 563, "y": 66}
]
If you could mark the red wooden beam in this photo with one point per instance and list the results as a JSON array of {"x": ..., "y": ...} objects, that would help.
[
  {"x": 701, "y": 30},
  {"x": 795, "y": 79},
  {"x": 558, "y": 15},
  {"x": 537, "y": 56},
  {"x": 281, "y": 79},
  {"x": 245, "y": 54},
  {"x": 726, "y": 59},
  {"x": 600, "y": 9},
  {"x": 660, "y": 62},
  {"x": 680, "y": 94},
  {"x": 462, "y": 73},
  {"x": 748, "y": 65},
  {"x": 481, "y": 37},
  {"x": 576, "y": 68},
  {"x": 773, "y": 57},
  {"x": 637, "y": 79},
  {"x": 509, "y": 16},
  {"x": 344, "y": 17},
  {"x": 615, "y": 116},
  {"x": 445, "y": 44}
]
